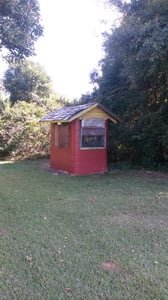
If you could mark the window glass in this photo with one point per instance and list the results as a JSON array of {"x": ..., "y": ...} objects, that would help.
[
  {"x": 93, "y": 122},
  {"x": 93, "y": 133}
]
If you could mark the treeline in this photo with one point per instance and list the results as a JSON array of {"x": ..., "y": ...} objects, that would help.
[
  {"x": 30, "y": 97},
  {"x": 133, "y": 82},
  {"x": 29, "y": 89}
]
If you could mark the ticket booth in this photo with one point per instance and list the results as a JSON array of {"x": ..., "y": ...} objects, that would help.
[{"x": 78, "y": 140}]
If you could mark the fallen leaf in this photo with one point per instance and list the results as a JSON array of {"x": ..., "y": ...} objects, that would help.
[
  {"x": 61, "y": 260},
  {"x": 112, "y": 266},
  {"x": 29, "y": 258},
  {"x": 2, "y": 230},
  {"x": 68, "y": 289}
]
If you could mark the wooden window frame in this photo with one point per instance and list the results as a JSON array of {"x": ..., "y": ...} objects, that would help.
[{"x": 96, "y": 136}]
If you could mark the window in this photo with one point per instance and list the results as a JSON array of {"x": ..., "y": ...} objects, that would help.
[
  {"x": 61, "y": 136},
  {"x": 93, "y": 133}
]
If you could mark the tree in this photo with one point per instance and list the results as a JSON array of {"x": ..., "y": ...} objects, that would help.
[
  {"x": 19, "y": 27},
  {"x": 21, "y": 133},
  {"x": 141, "y": 44},
  {"x": 134, "y": 80},
  {"x": 26, "y": 80}
]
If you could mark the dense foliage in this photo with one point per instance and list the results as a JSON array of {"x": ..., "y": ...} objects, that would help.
[
  {"x": 19, "y": 27},
  {"x": 134, "y": 81},
  {"x": 21, "y": 133},
  {"x": 27, "y": 80},
  {"x": 31, "y": 97}
]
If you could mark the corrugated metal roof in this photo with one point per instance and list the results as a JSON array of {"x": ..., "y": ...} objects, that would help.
[{"x": 65, "y": 113}]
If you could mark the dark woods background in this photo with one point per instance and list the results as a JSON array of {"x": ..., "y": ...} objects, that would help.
[{"x": 132, "y": 82}]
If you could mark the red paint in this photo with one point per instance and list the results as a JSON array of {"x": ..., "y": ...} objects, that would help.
[
  {"x": 60, "y": 158},
  {"x": 75, "y": 160}
]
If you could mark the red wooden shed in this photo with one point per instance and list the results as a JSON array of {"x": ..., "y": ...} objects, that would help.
[{"x": 78, "y": 142}]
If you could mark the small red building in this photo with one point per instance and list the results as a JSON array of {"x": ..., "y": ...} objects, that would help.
[{"x": 78, "y": 142}]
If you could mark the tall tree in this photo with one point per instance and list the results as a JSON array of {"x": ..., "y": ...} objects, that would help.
[
  {"x": 19, "y": 27},
  {"x": 134, "y": 81},
  {"x": 26, "y": 80}
]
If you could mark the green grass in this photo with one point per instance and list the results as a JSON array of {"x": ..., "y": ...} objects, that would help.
[{"x": 56, "y": 231}]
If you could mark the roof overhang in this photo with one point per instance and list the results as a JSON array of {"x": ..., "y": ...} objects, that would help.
[{"x": 110, "y": 116}]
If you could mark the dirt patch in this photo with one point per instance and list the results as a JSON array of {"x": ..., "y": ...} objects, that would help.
[
  {"x": 158, "y": 175},
  {"x": 46, "y": 165},
  {"x": 112, "y": 266},
  {"x": 2, "y": 232},
  {"x": 145, "y": 221},
  {"x": 153, "y": 174}
]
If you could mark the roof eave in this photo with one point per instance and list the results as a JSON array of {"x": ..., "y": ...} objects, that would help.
[
  {"x": 54, "y": 121},
  {"x": 113, "y": 118},
  {"x": 81, "y": 113}
]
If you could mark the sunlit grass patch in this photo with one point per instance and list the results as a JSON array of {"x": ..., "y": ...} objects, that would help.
[
  {"x": 56, "y": 233},
  {"x": 3, "y": 162}
]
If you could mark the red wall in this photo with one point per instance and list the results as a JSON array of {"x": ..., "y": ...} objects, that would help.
[
  {"x": 75, "y": 160},
  {"x": 88, "y": 161},
  {"x": 60, "y": 158}
]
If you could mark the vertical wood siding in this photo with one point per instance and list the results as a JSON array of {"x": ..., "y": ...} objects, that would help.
[{"x": 75, "y": 160}]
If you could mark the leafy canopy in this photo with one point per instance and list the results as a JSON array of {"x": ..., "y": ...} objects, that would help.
[
  {"x": 21, "y": 133},
  {"x": 134, "y": 79},
  {"x": 19, "y": 27},
  {"x": 26, "y": 80}
]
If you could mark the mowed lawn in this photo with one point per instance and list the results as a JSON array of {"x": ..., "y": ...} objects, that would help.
[{"x": 99, "y": 237}]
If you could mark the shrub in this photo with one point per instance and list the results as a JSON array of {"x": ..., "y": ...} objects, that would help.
[{"x": 21, "y": 133}]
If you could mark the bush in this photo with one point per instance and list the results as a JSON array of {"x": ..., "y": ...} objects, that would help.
[{"x": 21, "y": 133}]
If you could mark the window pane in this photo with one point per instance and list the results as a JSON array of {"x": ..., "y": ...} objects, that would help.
[
  {"x": 92, "y": 131},
  {"x": 93, "y": 122},
  {"x": 90, "y": 141}
]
